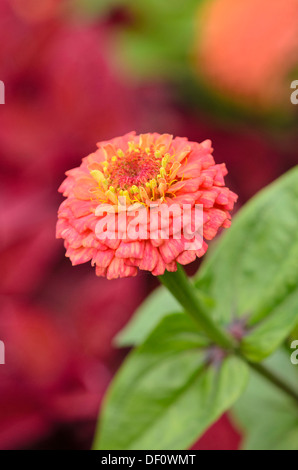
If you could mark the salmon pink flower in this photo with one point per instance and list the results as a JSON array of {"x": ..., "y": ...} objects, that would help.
[{"x": 141, "y": 173}]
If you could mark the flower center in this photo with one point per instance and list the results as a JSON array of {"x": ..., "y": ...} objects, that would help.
[
  {"x": 138, "y": 174},
  {"x": 135, "y": 168}
]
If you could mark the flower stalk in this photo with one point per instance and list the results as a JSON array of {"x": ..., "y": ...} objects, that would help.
[{"x": 183, "y": 290}]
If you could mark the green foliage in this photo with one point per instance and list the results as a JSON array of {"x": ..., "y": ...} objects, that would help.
[
  {"x": 268, "y": 335},
  {"x": 167, "y": 393},
  {"x": 268, "y": 418},
  {"x": 158, "y": 304},
  {"x": 160, "y": 39},
  {"x": 253, "y": 272},
  {"x": 93, "y": 8}
]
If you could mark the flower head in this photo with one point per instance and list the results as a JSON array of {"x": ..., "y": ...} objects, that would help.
[{"x": 141, "y": 175}]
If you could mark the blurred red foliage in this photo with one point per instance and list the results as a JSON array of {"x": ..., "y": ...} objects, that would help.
[
  {"x": 61, "y": 97},
  {"x": 59, "y": 358},
  {"x": 61, "y": 94}
]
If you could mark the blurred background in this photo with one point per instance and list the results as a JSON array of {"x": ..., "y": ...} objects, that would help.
[{"x": 80, "y": 71}]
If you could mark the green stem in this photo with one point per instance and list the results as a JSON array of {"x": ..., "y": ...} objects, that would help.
[
  {"x": 183, "y": 290},
  {"x": 264, "y": 372}
]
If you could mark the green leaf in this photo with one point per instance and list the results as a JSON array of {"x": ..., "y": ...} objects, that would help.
[
  {"x": 294, "y": 333},
  {"x": 167, "y": 393},
  {"x": 158, "y": 304},
  {"x": 253, "y": 272},
  {"x": 268, "y": 417},
  {"x": 267, "y": 336}
]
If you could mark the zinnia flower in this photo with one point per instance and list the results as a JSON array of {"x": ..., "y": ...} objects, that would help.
[
  {"x": 143, "y": 171},
  {"x": 248, "y": 48}
]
